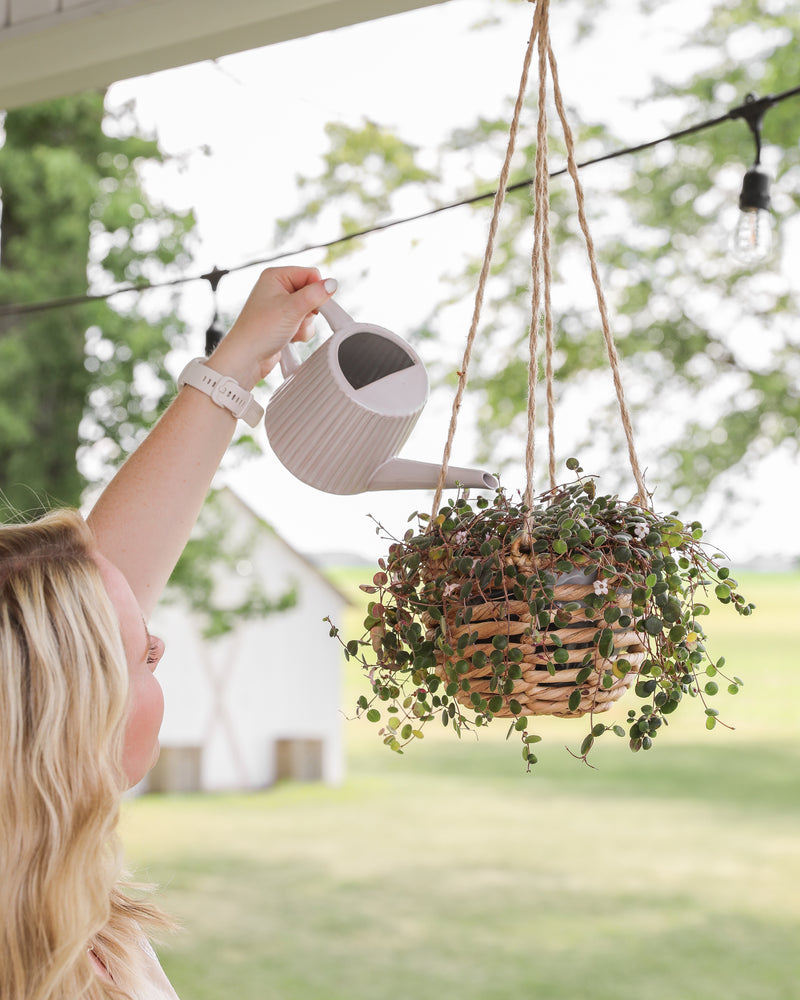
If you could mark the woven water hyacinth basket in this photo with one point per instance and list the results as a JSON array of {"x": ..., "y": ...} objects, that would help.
[{"x": 557, "y": 649}]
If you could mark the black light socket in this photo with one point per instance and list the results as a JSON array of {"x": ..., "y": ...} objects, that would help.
[{"x": 755, "y": 191}]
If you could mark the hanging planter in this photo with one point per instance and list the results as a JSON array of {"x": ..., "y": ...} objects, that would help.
[
  {"x": 478, "y": 616},
  {"x": 553, "y": 604}
]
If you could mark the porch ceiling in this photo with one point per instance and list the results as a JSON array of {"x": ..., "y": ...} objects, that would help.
[{"x": 51, "y": 48}]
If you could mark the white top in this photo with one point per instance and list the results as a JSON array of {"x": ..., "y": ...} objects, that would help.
[{"x": 154, "y": 985}]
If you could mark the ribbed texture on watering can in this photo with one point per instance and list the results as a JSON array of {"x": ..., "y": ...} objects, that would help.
[{"x": 340, "y": 453}]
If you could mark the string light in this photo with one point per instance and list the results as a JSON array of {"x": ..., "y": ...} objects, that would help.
[
  {"x": 750, "y": 107},
  {"x": 751, "y": 240}
]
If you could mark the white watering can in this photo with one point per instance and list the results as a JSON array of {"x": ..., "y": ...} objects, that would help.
[{"x": 339, "y": 418}]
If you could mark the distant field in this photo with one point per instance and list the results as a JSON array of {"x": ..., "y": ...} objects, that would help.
[{"x": 667, "y": 875}]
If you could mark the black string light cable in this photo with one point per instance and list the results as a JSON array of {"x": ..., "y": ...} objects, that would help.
[{"x": 753, "y": 109}]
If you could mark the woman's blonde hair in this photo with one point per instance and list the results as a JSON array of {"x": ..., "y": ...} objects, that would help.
[{"x": 63, "y": 694}]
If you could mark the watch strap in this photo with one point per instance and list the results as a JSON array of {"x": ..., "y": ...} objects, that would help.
[{"x": 222, "y": 390}]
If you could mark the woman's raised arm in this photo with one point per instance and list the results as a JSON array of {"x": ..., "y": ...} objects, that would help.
[{"x": 145, "y": 515}]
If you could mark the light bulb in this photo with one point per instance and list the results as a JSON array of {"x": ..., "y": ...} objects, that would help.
[{"x": 751, "y": 241}]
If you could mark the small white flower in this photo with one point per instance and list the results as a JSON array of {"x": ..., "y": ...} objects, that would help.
[
  {"x": 600, "y": 586},
  {"x": 460, "y": 537},
  {"x": 641, "y": 531},
  {"x": 451, "y": 588}
]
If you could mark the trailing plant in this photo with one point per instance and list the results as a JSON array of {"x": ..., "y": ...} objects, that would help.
[{"x": 637, "y": 583}]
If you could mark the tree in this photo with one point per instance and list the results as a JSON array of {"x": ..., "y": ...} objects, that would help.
[
  {"x": 81, "y": 380},
  {"x": 709, "y": 348}
]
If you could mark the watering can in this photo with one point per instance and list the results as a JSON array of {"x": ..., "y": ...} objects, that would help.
[{"x": 339, "y": 419}]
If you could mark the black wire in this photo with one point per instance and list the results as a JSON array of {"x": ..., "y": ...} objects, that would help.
[{"x": 751, "y": 110}]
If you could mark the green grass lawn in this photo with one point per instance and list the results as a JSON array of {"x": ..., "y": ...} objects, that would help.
[{"x": 666, "y": 875}]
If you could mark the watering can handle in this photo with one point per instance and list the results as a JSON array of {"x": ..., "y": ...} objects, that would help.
[
  {"x": 336, "y": 316},
  {"x": 337, "y": 319}
]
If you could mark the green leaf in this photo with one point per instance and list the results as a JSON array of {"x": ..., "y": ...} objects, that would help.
[
  {"x": 653, "y": 625},
  {"x": 605, "y": 646}
]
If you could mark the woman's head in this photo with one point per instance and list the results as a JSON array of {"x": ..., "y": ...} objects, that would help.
[{"x": 67, "y": 691}]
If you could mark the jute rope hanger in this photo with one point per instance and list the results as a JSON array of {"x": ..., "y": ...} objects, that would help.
[{"x": 539, "y": 40}]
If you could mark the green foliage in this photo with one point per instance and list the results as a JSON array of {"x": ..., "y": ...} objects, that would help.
[
  {"x": 475, "y": 610},
  {"x": 692, "y": 315},
  {"x": 82, "y": 380}
]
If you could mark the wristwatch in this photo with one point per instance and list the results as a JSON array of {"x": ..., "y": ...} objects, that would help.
[{"x": 223, "y": 390}]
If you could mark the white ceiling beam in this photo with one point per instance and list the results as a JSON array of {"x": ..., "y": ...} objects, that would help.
[{"x": 75, "y": 45}]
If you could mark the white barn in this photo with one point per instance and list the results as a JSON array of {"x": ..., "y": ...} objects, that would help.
[{"x": 262, "y": 702}]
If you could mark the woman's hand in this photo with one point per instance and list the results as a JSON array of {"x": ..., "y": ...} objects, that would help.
[{"x": 280, "y": 308}]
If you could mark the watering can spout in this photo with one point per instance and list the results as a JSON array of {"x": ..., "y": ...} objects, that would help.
[{"x": 403, "y": 474}]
